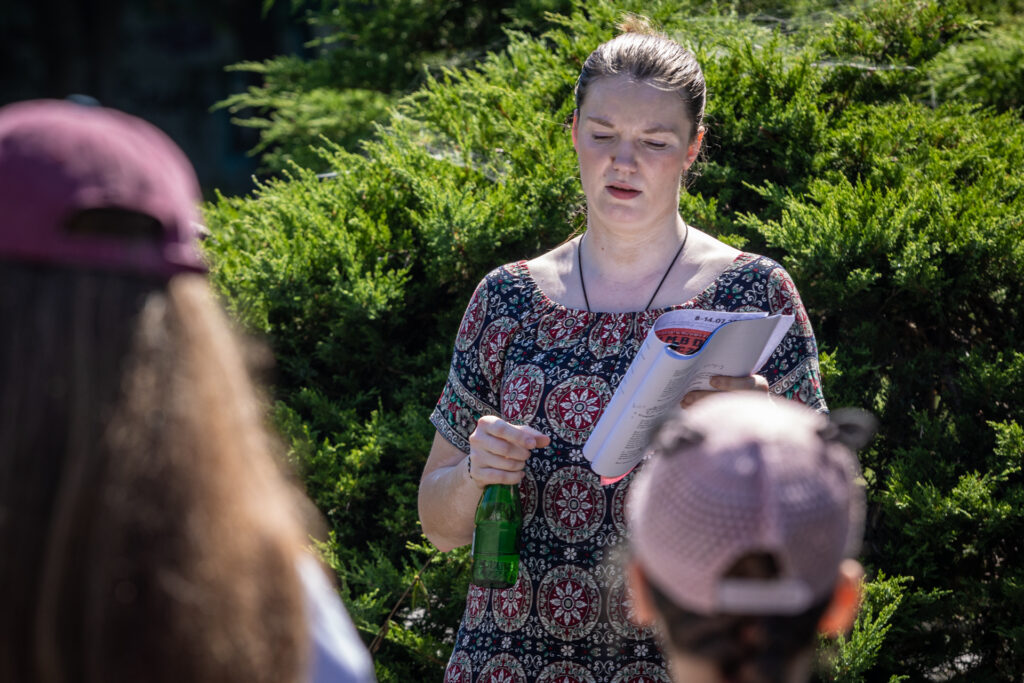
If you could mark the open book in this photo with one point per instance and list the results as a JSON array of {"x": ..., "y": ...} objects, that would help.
[{"x": 683, "y": 350}]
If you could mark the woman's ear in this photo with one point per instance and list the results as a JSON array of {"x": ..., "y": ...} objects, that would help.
[
  {"x": 575, "y": 124},
  {"x": 693, "y": 150},
  {"x": 842, "y": 610},
  {"x": 643, "y": 606}
]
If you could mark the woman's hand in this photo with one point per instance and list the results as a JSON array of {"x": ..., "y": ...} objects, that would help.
[
  {"x": 450, "y": 490},
  {"x": 498, "y": 450},
  {"x": 725, "y": 383}
]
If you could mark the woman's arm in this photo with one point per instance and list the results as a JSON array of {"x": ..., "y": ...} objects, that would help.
[
  {"x": 448, "y": 497},
  {"x": 450, "y": 488}
]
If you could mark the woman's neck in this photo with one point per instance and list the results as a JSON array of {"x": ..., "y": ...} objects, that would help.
[
  {"x": 630, "y": 257},
  {"x": 622, "y": 270},
  {"x": 686, "y": 668}
]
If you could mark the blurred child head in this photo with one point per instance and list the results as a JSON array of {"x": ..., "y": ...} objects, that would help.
[
  {"x": 742, "y": 530},
  {"x": 145, "y": 530}
]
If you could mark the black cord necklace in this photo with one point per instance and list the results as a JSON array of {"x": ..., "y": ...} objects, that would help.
[{"x": 583, "y": 285}]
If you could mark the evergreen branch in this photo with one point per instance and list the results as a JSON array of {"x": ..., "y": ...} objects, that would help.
[{"x": 386, "y": 626}]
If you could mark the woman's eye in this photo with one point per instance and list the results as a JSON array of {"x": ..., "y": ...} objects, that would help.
[
  {"x": 656, "y": 145},
  {"x": 601, "y": 138}
]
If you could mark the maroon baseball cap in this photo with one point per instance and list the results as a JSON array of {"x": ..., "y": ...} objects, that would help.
[{"x": 59, "y": 159}]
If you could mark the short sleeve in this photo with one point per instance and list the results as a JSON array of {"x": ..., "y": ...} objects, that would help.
[
  {"x": 473, "y": 387},
  {"x": 792, "y": 370}
]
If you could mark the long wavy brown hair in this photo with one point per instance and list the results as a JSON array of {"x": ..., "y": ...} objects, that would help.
[{"x": 146, "y": 530}]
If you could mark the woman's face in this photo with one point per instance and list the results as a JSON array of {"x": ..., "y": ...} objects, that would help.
[{"x": 633, "y": 144}]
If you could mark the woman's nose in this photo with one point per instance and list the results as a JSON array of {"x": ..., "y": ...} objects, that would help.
[{"x": 623, "y": 157}]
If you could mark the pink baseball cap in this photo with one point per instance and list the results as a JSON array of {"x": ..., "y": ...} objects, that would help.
[
  {"x": 58, "y": 159},
  {"x": 739, "y": 474}
]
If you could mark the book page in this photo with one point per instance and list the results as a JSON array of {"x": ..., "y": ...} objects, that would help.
[
  {"x": 735, "y": 346},
  {"x": 684, "y": 325}
]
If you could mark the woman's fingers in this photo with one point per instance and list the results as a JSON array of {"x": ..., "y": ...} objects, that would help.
[
  {"x": 498, "y": 451},
  {"x": 520, "y": 436},
  {"x": 692, "y": 397},
  {"x": 491, "y": 451},
  {"x": 751, "y": 383},
  {"x": 726, "y": 383}
]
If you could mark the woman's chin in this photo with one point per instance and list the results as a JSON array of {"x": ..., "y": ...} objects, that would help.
[{"x": 624, "y": 214}]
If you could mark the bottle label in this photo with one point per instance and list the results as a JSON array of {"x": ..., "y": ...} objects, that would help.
[{"x": 496, "y": 538}]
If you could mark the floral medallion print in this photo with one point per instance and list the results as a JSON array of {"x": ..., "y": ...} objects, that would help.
[
  {"x": 642, "y": 672},
  {"x": 503, "y": 668},
  {"x": 476, "y": 606},
  {"x": 511, "y": 607},
  {"x": 528, "y": 496},
  {"x": 644, "y": 322},
  {"x": 460, "y": 668},
  {"x": 472, "y": 320},
  {"x": 608, "y": 335},
  {"x": 622, "y": 611},
  {"x": 807, "y": 385},
  {"x": 493, "y": 345},
  {"x": 573, "y": 503},
  {"x": 569, "y": 602},
  {"x": 561, "y": 328},
  {"x": 574, "y": 406},
  {"x": 782, "y": 296},
  {"x": 525, "y": 358},
  {"x": 521, "y": 392},
  {"x": 565, "y": 672}
]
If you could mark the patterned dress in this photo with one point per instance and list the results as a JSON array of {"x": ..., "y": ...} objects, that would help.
[{"x": 529, "y": 360}]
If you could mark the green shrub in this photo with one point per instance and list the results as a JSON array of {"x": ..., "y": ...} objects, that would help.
[
  {"x": 903, "y": 226},
  {"x": 765, "y": 121},
  {"x": 366, "y": 55},
  {"x": 988, "y": 70},
  {"x": 292, "y": 123},
  {"x": 877, "y": 53},
  {"x": 907, "y": 250},
  {"x": 357, "y": 283},
  {"x": 996, "y": 10},
  {"x": 851, "y": 657}
]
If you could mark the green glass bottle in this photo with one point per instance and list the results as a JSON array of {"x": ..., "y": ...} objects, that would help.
[{"x": 499, "y": 523}]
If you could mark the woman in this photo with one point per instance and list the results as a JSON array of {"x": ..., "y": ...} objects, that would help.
[
  {"x": 736, "y": 575},
  {"x": 541, "y": 348},
  {"x": 146, "y": 531}
]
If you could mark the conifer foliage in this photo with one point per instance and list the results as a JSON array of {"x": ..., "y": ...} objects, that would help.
[{"x": 873, "y": 149}]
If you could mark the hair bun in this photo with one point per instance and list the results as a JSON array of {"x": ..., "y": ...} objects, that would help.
[{"x": 637, "y": 23}]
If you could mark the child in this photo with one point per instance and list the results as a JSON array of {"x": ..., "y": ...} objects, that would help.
[
  {"x": 146, "y": 531},
  {"x": 742, "y": 527}
]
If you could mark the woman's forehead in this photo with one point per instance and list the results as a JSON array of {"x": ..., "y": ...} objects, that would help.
[{"x": 620, "y": 101}]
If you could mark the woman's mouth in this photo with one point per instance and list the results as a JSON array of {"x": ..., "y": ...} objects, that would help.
[{"x": 622, "y": 191}]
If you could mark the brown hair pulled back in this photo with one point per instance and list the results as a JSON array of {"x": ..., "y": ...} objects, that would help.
[
  {"x": 146, "y": 531},
  {"x": 645, "y": 55},
  {"x": 745, "y": 648}
]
